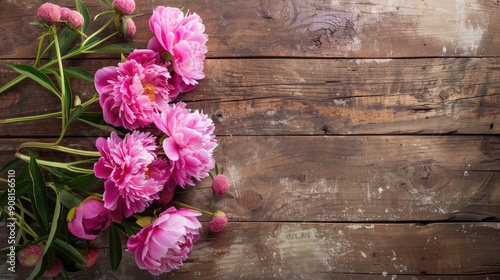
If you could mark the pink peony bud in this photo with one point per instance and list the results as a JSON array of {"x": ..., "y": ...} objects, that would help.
[
  {"x": 88, "y": 219},
  {"x": 124, "y": 7},
  {"x": 131, "y": 27},
  {"x": 49, "y": 13},
  {"x": 64, "y": 13},
  {"x": 91, "y": 256},
  {"x": 30, "y": 255},
  {"x": 54, "y": 270},
  {"x": 218, "y": 222},
  {"x": 220, "y": 185},
  {"x": 75, "y": 20},
  {"x": 166, "y": 195}
]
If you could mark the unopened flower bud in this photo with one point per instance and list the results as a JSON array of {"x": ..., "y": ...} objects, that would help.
[
  {"x": 124, "y": 7},
  {"x": 91, "y": 256},
  {"x": 49, "y": 13},
  {"x": 54, "y": 270},
  {"x": 64, "y": 13},
  {"x": 30, "y": 255},
  {"x": 131, "y": 28},
  {"x": 166, "y": 196},
  {"x": 218, "y": 222},
  {"x": 75, "y": 20},
  {"x": 220, "y": 185}
]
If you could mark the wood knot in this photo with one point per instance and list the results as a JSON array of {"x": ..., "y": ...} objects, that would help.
[
  {"x": 302, "y": 177},
  {"x": 444, "y": 95}
]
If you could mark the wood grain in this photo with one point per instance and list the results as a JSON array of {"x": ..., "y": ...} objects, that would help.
[
  {"x": 268, "y": 250},
  {"x": 313, "y": 96},
  {"x": 362, "y": 178},
  {"x": 300, "y": 28}
]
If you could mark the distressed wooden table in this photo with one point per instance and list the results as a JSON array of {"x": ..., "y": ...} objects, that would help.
[{"x": 361, "y": 138}]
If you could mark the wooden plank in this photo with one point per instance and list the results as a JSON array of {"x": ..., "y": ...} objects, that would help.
[
  {"x": 313, "y": 96},
  {"x": 299, "y": 28},
  {"x": 347, "y": 178},
  {"x": 326, "y": 251}
]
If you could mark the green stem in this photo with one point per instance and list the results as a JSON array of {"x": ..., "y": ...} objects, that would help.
[
  {"x": 25, "y": 227},
  {"x": 81, "y": 50},
  {"x": 64, "y": 108},
  {"x": 20, "y": 206},
  {"x": 104, "y": 27},
  {"x": 69, "y": 165},
  {"x": 180, "y": 204},
  {"x": 51, "y": 146},
  {"x": 48, "y": 115},
  {"x": 39, "y": 50}
]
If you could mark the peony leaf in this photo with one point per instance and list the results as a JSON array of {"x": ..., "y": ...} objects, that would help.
[
  {"x": 82, "y": 9},
  {"x": 115, "y": 248},
  {"x": 11, "y": 165},
  {"x": 54, "y": 229},
  {"x": 65, "y": 38},
  {"x": 39, "y": 193},
  {"x": 69, "y": 200},
  {"x": 36, "y": 75},
  {"x": 79, "y": 73},
  {"x": 118, "y": 48},
  {"x": 75, "y": 114},
  {"x": 21, "y": 188},
  {"x": 69, "y": 251},
  {"x": 83, "y": 182}
]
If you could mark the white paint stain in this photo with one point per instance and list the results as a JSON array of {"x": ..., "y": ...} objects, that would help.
[
  {"x": 363, "y": 254},
  {"x": 361, "y": 61},
  {"x": 340, "y": 102}
]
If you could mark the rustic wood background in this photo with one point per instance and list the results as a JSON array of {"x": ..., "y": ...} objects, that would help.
[{"x": 361, "y": 138}]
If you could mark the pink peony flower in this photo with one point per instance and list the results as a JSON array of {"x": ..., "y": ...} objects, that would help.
[
  {"x": 167, "y": 241},
  {"x": 54, "y": 270},
  {"x": 182, "y": 36},
  {"x": 190, "y": 143},
  {"x": 220, "y": 185},
  {"x": 135, "y": 90},
  {"x": 133, "y": 172},
  {"x": 49, "y": 13},
  {"x": 30, "y": 255},
  {"x": 124, "y": 7},
  {"x": 218, "y": 222},
  {"x": 88, "y": 219}
]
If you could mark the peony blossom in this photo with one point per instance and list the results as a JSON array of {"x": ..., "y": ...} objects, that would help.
[
  {"x": 91, "y": 256},
  {"x": 135, "y": 90},
  {"x": 189, "y": 144},
  {"x": 180, "y": 36},
  {"x": 88, "y": 219},
  {"x": 165, "y": 243},
  {"x": 133, "y": 172}
]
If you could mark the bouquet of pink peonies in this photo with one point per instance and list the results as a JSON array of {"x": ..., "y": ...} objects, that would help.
[{"x": 155, "y": 146}]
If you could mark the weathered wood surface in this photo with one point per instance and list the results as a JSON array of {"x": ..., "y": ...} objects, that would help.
[
  {"x": 322, "y": 110},
  {"x": 312, "y": 96},
  {"x": 362, "y": 178},
  {"x": 328, "y": 251},
  {"x": 299, "y": 28}
]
